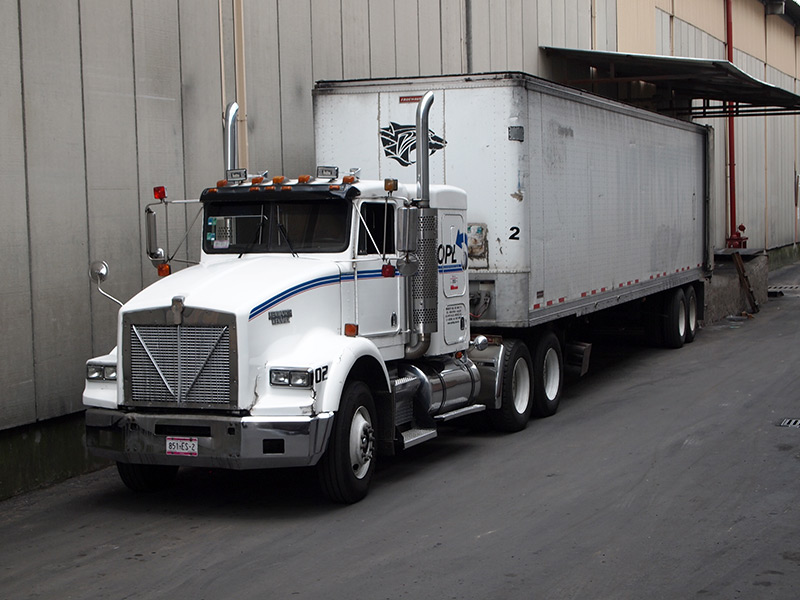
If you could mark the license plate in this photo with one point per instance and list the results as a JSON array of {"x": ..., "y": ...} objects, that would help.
[{"x": 182, "y": 446}]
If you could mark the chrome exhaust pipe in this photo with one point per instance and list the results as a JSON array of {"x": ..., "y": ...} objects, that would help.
[
  {"x": 423, "y": 171},
  {"x": 423, "y": 287},
  {"x": 231, "y": 137}
]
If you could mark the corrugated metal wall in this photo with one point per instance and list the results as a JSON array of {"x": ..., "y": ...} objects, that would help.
[{"x": 103, "y": 99}]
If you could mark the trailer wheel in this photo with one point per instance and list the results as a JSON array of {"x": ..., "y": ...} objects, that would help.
[
  {"x": 147, "y": 478},
  {"x": 548, "y": 373},
  {"x": 516, "y": 403},
  {"x": 691, "y": 313},
  {"x": 675, "y": 319},
  {"x": 346, "y": 468}
]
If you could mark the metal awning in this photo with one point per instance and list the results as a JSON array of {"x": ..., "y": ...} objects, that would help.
[{"x": 681, "y": 80}]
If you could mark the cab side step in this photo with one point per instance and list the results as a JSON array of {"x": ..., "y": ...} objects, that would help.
[
  {"x": 467, "y": 410},
  {"x": 415, "y": 436}
]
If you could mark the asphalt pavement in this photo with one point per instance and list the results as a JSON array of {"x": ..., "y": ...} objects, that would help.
[{"x": 665, "y": 474}]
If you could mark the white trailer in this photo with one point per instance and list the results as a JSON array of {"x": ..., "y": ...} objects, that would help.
[
  {"x": 576, "y": 203},
  {"x": 331, "y": 317}
]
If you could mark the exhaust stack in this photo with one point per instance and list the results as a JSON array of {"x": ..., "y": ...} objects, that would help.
[
  {"x": 423, "y": 171},
  {"x": 231, "y": 137},
  {"x": 424, "y": 284}
]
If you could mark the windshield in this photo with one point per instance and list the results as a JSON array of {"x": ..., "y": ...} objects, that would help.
[{"x": 315, "y": 225}]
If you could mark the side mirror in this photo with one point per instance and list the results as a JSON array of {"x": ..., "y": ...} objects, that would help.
[
  {"x": 154, "y": 253},
  {"x": 98, "y": 272},
  {"x": 480, "y": 342}
]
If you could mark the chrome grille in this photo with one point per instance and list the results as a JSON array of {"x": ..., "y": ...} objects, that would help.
[{"x": 180, "y": 364}]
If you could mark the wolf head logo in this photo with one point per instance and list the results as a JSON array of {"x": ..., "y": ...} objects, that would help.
[{"x": 399, "y": 140}]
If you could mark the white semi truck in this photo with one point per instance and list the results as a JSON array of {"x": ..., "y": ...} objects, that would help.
[{"x": 333, "y": 318}]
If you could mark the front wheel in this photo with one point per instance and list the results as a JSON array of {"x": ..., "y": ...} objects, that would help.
[
  {"x": 346, "y": 468},
  {"x": 147, "y": 478},
  {"x": 548, "y": 373}
]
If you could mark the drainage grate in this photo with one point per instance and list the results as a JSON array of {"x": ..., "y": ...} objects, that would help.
[
  {"x": 791, "y": 423},
  {"x": 776, "y": 291}
]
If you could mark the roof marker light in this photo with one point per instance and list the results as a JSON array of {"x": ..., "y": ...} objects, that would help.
[
  {"x": 348, "y": 179},
  {"x": 304, "y": 179},
  {"x": 278, "y": 179}
]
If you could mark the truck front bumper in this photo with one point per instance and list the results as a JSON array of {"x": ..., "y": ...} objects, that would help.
[{"x": 226, "y": 442}]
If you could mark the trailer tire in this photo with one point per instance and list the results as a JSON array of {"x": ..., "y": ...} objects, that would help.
[
  {"x": 691, "y": 313},
  {"x": 675, "y": 319},
  {"x": 346, "y": 468},
  {"x": 548, "y": 375},
  {"x": 517, "y": 395},
  {"x": 147, "y": 478}
]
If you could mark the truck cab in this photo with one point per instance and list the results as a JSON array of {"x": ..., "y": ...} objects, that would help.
[{"x": 326, "y": 322}]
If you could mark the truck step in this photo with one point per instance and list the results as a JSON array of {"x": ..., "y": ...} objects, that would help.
[
  {"x": 412, "y": 437},
  {"x": 467, "y": 410}
]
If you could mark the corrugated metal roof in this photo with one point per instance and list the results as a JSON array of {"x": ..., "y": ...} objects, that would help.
[{"x": 684, "y": 78}]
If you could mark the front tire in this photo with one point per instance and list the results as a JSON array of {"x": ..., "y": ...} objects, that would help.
[
  {"x": 515, "y": 406},
  {"x": 147, "y": 478},
  {"x": 548, "y": 373},
  {"x": 346, "y": 468}
]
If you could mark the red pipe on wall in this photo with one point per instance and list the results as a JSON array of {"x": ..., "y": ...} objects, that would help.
[{"x": 735, "y": 239}]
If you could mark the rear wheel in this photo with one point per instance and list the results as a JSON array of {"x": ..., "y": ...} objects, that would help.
[
  {"x": 515, "y": 408},
  {"x": 548, "y": 374},
  {"x": 691, "y": 313},
  {"x": 346, "y": 468},
  {"x": 675, "y": 319},
  {"x": 147, "y": 478}
]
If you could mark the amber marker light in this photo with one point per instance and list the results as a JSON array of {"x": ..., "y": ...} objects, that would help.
[{"x": 164, "y": 269}]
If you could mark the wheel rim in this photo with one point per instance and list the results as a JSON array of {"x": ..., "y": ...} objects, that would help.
[
  {"x": 682, "y": 319},
  {"x": 521, "y": 385},
  {"x": 362, "y": 442},
  {"x": 551, "y": 372},
  {"x": 692, "y": 314}
]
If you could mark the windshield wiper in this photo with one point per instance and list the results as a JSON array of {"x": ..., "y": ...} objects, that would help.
[
  {"x": 282, "y": 229},
  {"x": 256, "y": 237}
]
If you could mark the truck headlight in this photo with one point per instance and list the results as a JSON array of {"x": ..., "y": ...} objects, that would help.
[
  {"x": 290, "y": 377},
  {"x": 97, "y": 372}
]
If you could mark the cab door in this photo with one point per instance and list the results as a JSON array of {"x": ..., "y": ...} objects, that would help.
[{"x": 378, "y": 287}]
